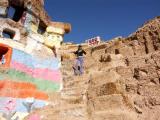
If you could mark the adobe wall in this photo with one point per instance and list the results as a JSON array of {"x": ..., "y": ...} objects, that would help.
[{"x": 31, "y": 69}]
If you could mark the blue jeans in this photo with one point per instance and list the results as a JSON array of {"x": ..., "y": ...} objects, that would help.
[
  {"x": 78, "y": 68},
  {"x": 81, "y": 61}
]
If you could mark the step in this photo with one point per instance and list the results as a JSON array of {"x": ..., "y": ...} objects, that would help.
[
  {"x": 115, "y": 114},
  {"x": 71, "y": 96},
  {"x": 73, "y": 91},
  {"x": 109, "y": 102},
  {"x": 72, "y": 78},
  {"x": 75, "y": 83},
  {"x": 73, "y": 100},
  {"x": 74, "y": 112},
  {"x": 65, "y": 107},
  {"x": 73, "y": 118},
  {"x": 105, "y": 89}
]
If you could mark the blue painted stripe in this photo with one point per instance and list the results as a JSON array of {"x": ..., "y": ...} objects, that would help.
[
  {"x": 34, "y": 62},
  {"x": 19, "y": 104}
]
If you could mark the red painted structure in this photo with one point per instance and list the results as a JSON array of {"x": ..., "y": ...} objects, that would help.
[{"x": 7, "y": 51}]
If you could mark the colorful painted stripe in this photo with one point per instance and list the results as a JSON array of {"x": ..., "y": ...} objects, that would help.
[
  {"x": 19, "y": 104},
  {"x": 15, "y": 89},
  {"x": 35, "y": 62},
  {"x": 41, "y": 84},
  {"x": 47, "y": 74}
]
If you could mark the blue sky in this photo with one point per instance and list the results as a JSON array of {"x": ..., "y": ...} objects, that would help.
[{"x": 105, "y": 18}]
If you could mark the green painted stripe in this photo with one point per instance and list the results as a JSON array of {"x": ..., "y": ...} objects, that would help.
[{"x": 44, "y": 85}]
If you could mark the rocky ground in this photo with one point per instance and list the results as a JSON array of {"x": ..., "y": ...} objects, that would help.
[{"x": 121, "y": 81}]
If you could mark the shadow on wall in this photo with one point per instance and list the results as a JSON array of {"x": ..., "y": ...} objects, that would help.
[
  {"x": 15, "y": 12},
  {"x": 7, "y": 33}
]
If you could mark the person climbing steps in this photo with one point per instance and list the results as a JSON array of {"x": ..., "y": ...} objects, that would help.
[{"x": 78, "y": 67}]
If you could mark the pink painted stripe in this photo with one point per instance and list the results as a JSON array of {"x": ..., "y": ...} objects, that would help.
[{"x": 53, "y": 75}]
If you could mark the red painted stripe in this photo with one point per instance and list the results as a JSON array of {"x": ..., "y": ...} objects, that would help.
[
  {"x": 23, "y": 90},
  {"x": 46, "y": 74}
]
